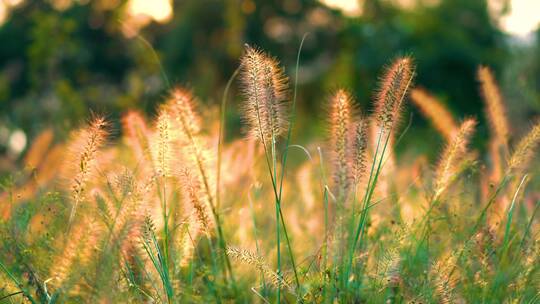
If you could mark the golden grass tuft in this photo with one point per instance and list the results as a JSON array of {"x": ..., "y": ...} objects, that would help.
[
  {"x": 394, "y": 85},
  {"x": 359, "y": 150},
  {"x": 444, "y": 279},
  {"x": 341, "y": 125},
  {"x": 265, "y": 90},
  {"x": 182, "y": 106},
  {"x": 194, "y": 197},
  {"x": 455, "y": 151},
  {"x": 524, "y": 151},
  {"x": 85, "y": 147},
  {"x": 495, "y": 110},
  {"x": 250, "y": 258},
  {"x": 163, "y": 146},
  {"x": 77, "y": 252}
]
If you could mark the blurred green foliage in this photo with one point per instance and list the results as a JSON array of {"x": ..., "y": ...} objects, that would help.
[{"x": 58, "y": 66}]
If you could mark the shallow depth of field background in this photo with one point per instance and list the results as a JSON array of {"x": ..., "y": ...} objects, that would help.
[
  {"x": 85, "y": 215},
  {"x": 61, "y": 60}
]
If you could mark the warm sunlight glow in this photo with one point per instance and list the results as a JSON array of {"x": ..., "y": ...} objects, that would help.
[
  {"x": 158, "y": 10},
  {"x": 523, "y": 18},
  {"x": 348, "y": 7}
]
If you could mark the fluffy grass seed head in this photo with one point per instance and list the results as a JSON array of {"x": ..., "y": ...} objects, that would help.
[
  {"x": 250, "y": 258},
  {"x": 341, "y": 114},
  {"x": 163, "y": 145},
  {"x": 265, "y": 91},
  {"x": 393, "y": 87},
  {"x": 455, "y": 150},
  {"x": 495, "y": 110},
  {"x": 359, "y": 150},
  {"x": 194, "y": 198},
  {"x": 85, "y": 147},
  {"x": 444, "y": 279},
  {"x": 182, "y": 106},
  {"x": 524, "y": 151},
  {"x": 436, "y": 112}
]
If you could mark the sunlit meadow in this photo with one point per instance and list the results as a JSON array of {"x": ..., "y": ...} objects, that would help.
[{"x": 165, "y": 210}]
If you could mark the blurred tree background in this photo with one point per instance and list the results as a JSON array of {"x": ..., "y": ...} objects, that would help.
[{"x": 61, "y": 60}]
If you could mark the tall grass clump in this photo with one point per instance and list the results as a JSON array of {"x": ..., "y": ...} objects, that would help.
[{"x": 168, "y": 211}]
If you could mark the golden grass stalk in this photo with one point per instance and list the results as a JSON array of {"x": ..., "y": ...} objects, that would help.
[
  {"x": 455, "y": 151},
  {"x": 191, "y": 148},
  {"x": 393, "y": 88},
  {"x": 390, "y": 266},
  {"x": 444, "y": 279},
  {"x": 129, "y": 218},
  {"x": 340, "y": 119},
  {"x": 187, "y": 239},
  {"x": 265, "y": 89},
  {"x": 194, "y": 198},
  {"x": 183, "y": 106},
  {"x": 86, "y": 146},
  {"x": 525, "y": 149},
  {"x": 250, "y": 258},
  {"x": 498, "y": 122},
  {"x": 436, "y": 112},
  {"x": 78, "y": 251},
  {"x": 495, "y": 110}
]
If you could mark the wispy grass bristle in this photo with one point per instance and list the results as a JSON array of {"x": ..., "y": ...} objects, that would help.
[
  {"x": 394, "y": 86},
  {"x": 265, "y": 90},
  {"x": 341, "y": 116},
  {"x": 455, "y": 151},
  {"x": 524, "y": 150}
]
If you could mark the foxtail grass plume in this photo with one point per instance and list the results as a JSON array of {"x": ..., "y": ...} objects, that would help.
[
  {"x": 393, "y": 87},
  {"x": 182, "y": 105},
  {"x": 495, "y": 109},
  {"x": 265, "y": 89},
  {"x": 525, "y": 149},
  {"x": 192, "y": 150},
  {"x": 194, "y": 199},
  {"x": 455, "y": 151},
  {"x": 340, "y": 120},
  {"x": 163, "y": 148},
  {"x": 250, "y": 258},
  {"x": 444, "y": 280},
  {"x": 78, "y": 250},
  {"x": 86, "y": 145},
  {"x": 436, "y": 112},
  {"x": 359, "y": 150}
]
